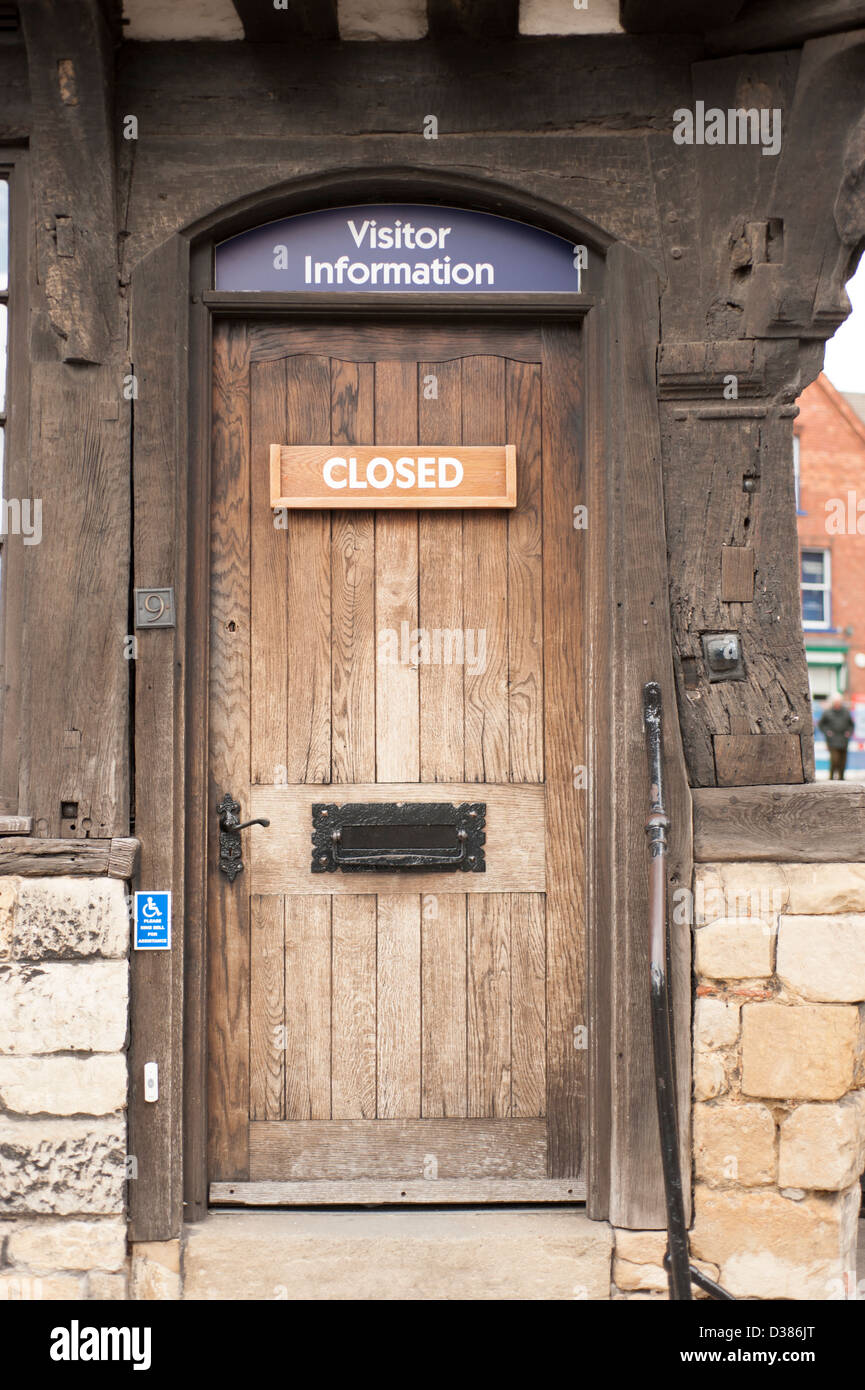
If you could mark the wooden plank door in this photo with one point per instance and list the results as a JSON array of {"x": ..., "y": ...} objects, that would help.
[{"x": 397, "y": 1036}]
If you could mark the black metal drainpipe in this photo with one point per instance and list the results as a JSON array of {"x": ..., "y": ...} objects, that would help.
[{"x": 680, "y": 1272}]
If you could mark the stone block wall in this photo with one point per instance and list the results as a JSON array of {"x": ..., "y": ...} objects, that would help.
[
  {"x": 779, "y": 1072},
  {"x": 64, "y": 970}
]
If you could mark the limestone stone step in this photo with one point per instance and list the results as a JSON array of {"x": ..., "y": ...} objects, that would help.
[{"x": 528, "y": 1253}]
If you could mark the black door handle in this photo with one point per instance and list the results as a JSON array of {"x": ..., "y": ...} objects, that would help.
[{"x": 230, "y": 855}]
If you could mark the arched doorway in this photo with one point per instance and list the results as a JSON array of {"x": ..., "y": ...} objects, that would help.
[{"x": 609, "y": 401}]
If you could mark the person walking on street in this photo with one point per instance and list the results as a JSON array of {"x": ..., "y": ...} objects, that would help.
[{"x": 836, "y": 726}]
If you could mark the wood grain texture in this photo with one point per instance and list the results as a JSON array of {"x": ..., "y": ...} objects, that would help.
[
  {"x": 431, "y": 1005},
  {"x": 298, "y": 480},
  {"x": 397, "y": 714},
  {"x": 163, "y": 806},
  {"x": 230, "y": 689},
  {"x": 774, "y": 697},
  {"x": 402, "y": 1149},
  {"x": 353, "y": 1087},
  {"x": 38, "y": 858},
  {"x": 632, "y": 571},
  {"x": 443, "y": 1004},
  {"x": 440, "y": 565},
  {"x": 193, "y": 332},
  {"x": 745, "y": 760},
  {"x": 737, "y": 574},
  {"x": 564, "y": 749},
  {"x": 381, "y": 341},
  {"x": 525, "y": 578},
  {"x": 16, "y": 825},
  {"x": 267, "y": 1050},
  {"x": 377, "y": 1192},
  {"x": 485, "y": 585},
  {"x": 278, "y": 859},
  {"x": 307, "y": 592},
  {"x": 814, "y": 824},
  {"x": 398, "y": 1006},
  {"x": 488, "y": 1011},
  {"x": 308, "y": 1008},
  {"x": 353, "y": 588},
  {"x": 528, "y": 955},
  {"x": 269, "y": 581},
  {"x": 73, "y": 730}
]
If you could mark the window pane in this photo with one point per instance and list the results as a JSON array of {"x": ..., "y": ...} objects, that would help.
[
  {"x": 3, "y": 317},
  {"x": 812, "y": 606},
  {"x": 4, "y": 234},
  {"x": 822, "y": 682},
  {"x": 812, "y": 566}
]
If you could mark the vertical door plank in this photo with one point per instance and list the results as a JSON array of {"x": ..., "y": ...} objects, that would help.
[
  {"x": 489, "y": 1004},
  {"x": 564, "y": 749},
  {"x": 525, "y": 578},
  {"x": 269, "y": 570},
  {"x": 398, "y": 1007},
  {"x": 528, "y": 1004},
  {"x": 228, "y": 904},
  {"x": 307, "y": 594},
  {"x": 353, "y": 579},
  {"x": 443, "y": 1004},
  {"x": 307, "y": 1007},
  {"x": 267, "y": 1009},
  {"x": 440, "y": 576},
  {"x": 485, "y": 598},
  {"x": 354, "y": 1007},
  {"x": 396, "y": 597}
]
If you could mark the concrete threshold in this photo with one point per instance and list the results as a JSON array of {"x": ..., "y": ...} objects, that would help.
[{"x": 531, "y": 1253}]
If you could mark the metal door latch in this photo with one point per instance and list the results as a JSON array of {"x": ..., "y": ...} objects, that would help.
[{"x": 230, "y": 856}]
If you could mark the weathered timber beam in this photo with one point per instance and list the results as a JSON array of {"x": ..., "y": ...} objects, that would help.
[
  {"x": 784, "y": 24},
  {"x": 16, "y": 825},
  {"x": 71, "y": 67},
  {"x": 675, "y": 16},
  {"x": 477, "y": 19},
  {"x": 812, "y": 823},
  {"x": 37, "y": 858},
  {"x": 74, "y": 585},
  {"x": 749, "y": 760},
  {"x": 300, "y": 19}
]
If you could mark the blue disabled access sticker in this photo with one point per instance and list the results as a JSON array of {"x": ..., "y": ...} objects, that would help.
[{"x": 152, "y": 921}]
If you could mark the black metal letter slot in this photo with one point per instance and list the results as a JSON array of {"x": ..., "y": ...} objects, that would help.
[{"x": 388, "y": 835}]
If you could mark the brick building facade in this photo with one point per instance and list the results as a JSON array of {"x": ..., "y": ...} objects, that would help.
[{"x": 830, "y": 498}]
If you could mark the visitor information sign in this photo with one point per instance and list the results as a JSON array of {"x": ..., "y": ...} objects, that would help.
[{"x": 397, "y": 248}]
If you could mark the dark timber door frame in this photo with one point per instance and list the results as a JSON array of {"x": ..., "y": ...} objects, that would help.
[{"x": 626, "y": 614}]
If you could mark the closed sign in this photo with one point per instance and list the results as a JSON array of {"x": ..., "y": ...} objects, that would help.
[{"x": 392, "y": 475}]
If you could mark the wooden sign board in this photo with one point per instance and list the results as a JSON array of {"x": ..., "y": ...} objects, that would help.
[{"x": 392, "y": 475}]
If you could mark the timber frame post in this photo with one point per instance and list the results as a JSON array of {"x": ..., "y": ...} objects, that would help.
[{"x": 73, "y": 720}]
